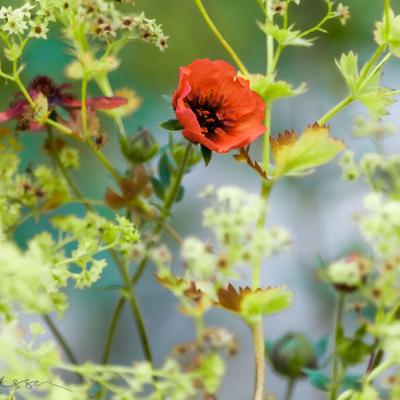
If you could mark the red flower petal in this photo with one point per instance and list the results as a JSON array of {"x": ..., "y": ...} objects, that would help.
[
  {"x": 217, "y": 108},
  {"x": 97, "y": 103},
  {"x": 14, "y": 111}
]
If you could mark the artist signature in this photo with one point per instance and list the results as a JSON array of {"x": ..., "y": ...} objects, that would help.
[{"x": 27, "y": 383}]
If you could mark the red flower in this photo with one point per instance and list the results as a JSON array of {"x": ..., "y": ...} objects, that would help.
[
  {"x": 56, "y": 97},
  {"x": 217, "y": 108}
]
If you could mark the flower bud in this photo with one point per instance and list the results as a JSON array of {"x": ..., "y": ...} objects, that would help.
[
  {"x": 349, "y": 273},
  {"x": 291, "y": 354},
  {"x": 140, "y": 148}
]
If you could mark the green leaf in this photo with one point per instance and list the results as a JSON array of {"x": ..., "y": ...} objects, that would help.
[
  {"x": 318, "y": 379},
  {"x": 172, "y": 125},
  {"x": 348, "y": 66},
  {"x": 377, "y": 102},
  {"x": 268, "y": 345},
  {"x": 206, "y": 154},
  {"x": 391, "y": 37},
  {"x": 271, "y": 90},
  {"x": 285, "y": 37},
  {"x": 158, "y": 187},
  {"x": 297, "y": 154},
  {"x": 180, "y": 194},
  {"x": 164, "y": 169},
  {"x": 265, "y": 302},
  {"x": 321, "y": 346},
  {"x": 351, "y": 381}
]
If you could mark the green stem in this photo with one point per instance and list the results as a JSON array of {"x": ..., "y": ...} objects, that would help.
[
  {"x": 258, "y": 328},
  {"x": 317, "y": 27},
  {"x": 199, "y": 325},
  {"x": 290, "y": 389},
  {"x": 111, "y": 331},
  {"x": 335, "y": 360},
  {"x": 84, "y": 105},
  {"x": 106, "y": 163},
  {"x": 121, "y": 267},
  {"x": 104, "y": 85},
  {"x": 333, "y": 111},
  {"x": 258, "y": 343},
  {"x": 137, "y": 314},
  {"x": 270, "y": 40},
  {"x": 142, "y": 266},
  {"x": 219, "y": 36},
  {"x": 368, "y": 66},
  {"x": 379, "y": 370},
  {"x": 377, "y": 68},
  {"x": 387, "y": 17},
  {"x": 62, "y": 342}
]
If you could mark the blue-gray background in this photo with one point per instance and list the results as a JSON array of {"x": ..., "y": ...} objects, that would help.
[{"x": 317, "y": 210}]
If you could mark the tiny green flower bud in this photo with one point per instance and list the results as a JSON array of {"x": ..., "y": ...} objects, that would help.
[
  {"x": 140, "y": 148},
  {"x": 349, "y": 273},
  {"x": 291, "y": 354}
]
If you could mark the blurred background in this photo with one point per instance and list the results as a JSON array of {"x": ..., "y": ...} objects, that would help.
[{"x": 317, "y": 210}]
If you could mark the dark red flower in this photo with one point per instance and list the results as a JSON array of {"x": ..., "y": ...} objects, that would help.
[
  {"x": 56, "y": 96},
  {"x": 217, "y": 108}
]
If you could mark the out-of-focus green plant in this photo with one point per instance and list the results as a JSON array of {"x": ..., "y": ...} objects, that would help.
[{"x": 33, "y": 278}]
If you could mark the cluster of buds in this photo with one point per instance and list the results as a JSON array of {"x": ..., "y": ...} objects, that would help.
[{"x": 102, "y": 19}]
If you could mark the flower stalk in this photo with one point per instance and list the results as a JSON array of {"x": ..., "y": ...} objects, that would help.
[
  {"x": 337, "y": 327},
  {"x": 142, "y": 266},
  {"x": 221, "y": 39},
  {"x": 130, "y": 293}
]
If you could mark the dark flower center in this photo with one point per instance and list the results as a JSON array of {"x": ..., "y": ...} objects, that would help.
[
  {"x": 45, "y": 85},
  {"x": 209, "y": 113}
]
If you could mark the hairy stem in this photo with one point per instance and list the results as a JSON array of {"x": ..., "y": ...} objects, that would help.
[
  {"x": 219, "y": 36},
  {"x": 142, "y": 266},
  {"x": 335, "y": 360}
]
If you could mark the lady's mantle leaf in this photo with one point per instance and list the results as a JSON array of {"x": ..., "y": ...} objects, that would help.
[
  {"x": 368, "y": 91},
  {"x": 296, "y": 155},
  {"x": 253, "y": 304},
  {"x": 271, "y": 90}
]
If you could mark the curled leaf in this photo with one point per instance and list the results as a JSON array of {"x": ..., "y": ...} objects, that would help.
[
  {"x": 295, "y": 154},
  {"x": 251, "y": 304}
]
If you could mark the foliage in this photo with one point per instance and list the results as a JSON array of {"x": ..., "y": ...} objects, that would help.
[{"x": 218, "y": 107}]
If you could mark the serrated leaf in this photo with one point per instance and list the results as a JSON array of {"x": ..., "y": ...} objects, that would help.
[
  {"x": 391, "y": 37},
  {"x": 285, "y": 37},
  {"x": 251, "y": 304},
  {"x": 172, "y": 125},
  {"x": 266, "y": 302},
  {"x": 294, "y": 154},
  {"x": 271, "y": 90},
  {"x": 377, "y": 102},
  {"x": 348, "y": 66},
  {"x": 318, "y": 379},
  {"x": 206, "y": 153}
]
